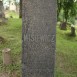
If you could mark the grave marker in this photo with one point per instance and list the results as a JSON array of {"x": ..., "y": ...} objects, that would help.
[{"x": 38, "y": 38}]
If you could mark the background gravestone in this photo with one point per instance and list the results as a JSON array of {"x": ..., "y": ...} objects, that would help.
[{"x": 38, "y": 37}]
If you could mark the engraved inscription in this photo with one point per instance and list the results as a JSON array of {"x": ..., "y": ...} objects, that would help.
[{"x": 39, "y": 28}]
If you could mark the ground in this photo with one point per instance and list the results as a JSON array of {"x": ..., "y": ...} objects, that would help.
[
  {"x": 66, "y": 54},
  {"x": 11, "y": 32},
  {"x": 66, "y": 50}
]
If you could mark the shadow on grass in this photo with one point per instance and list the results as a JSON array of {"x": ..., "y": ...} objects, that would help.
[
  {"x": 2, "y": 40},
  {"x": 70, "y": 37}
]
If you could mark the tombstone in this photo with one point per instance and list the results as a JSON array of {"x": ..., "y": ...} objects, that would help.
[
  {"x": 73, "y": 31},
  {"x": 38, "y": 38}
]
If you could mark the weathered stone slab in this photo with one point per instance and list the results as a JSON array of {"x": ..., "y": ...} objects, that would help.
[{"x": 38, "y": 42}]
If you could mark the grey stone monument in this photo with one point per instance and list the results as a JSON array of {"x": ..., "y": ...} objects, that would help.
[{"x": 38, "y": 38}]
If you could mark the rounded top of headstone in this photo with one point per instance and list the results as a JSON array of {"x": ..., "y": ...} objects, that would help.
[{"x": 6, "y": 50}]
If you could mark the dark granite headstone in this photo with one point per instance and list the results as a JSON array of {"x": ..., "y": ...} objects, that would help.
[
  {"x": 38, "y": 38},
  {"x": 73, "y": 31}
]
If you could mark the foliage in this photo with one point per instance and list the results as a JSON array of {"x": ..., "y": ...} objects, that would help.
[{"x": 69, "y": 8}]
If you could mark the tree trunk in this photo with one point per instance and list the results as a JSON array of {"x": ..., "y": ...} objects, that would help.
[
  {"x": 63, "y": 26},
  {"x": 20, "y": 10}
]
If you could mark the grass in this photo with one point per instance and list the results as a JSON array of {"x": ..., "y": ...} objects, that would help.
[
  {"x": 12, "y": 14},
  {"x": 66, "y": 49},
  {"x": 66, "y": 54},
  {"x": 12, "y": 34}
]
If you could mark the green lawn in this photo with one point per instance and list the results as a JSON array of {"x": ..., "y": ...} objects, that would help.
[
  {"x": 66, "y": 54},
  {"x": 12, "y": 35},
  {"x": 12, "y": 14},
  {"x": 66, "y": 50}
]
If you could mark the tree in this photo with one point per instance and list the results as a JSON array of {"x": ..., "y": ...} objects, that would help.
[
  {"x": 59, "y": 5},
  {"x": 68, "y": 7},
  {"x": 20, "y": 12},
  {"x": 69, "y": 11}
]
